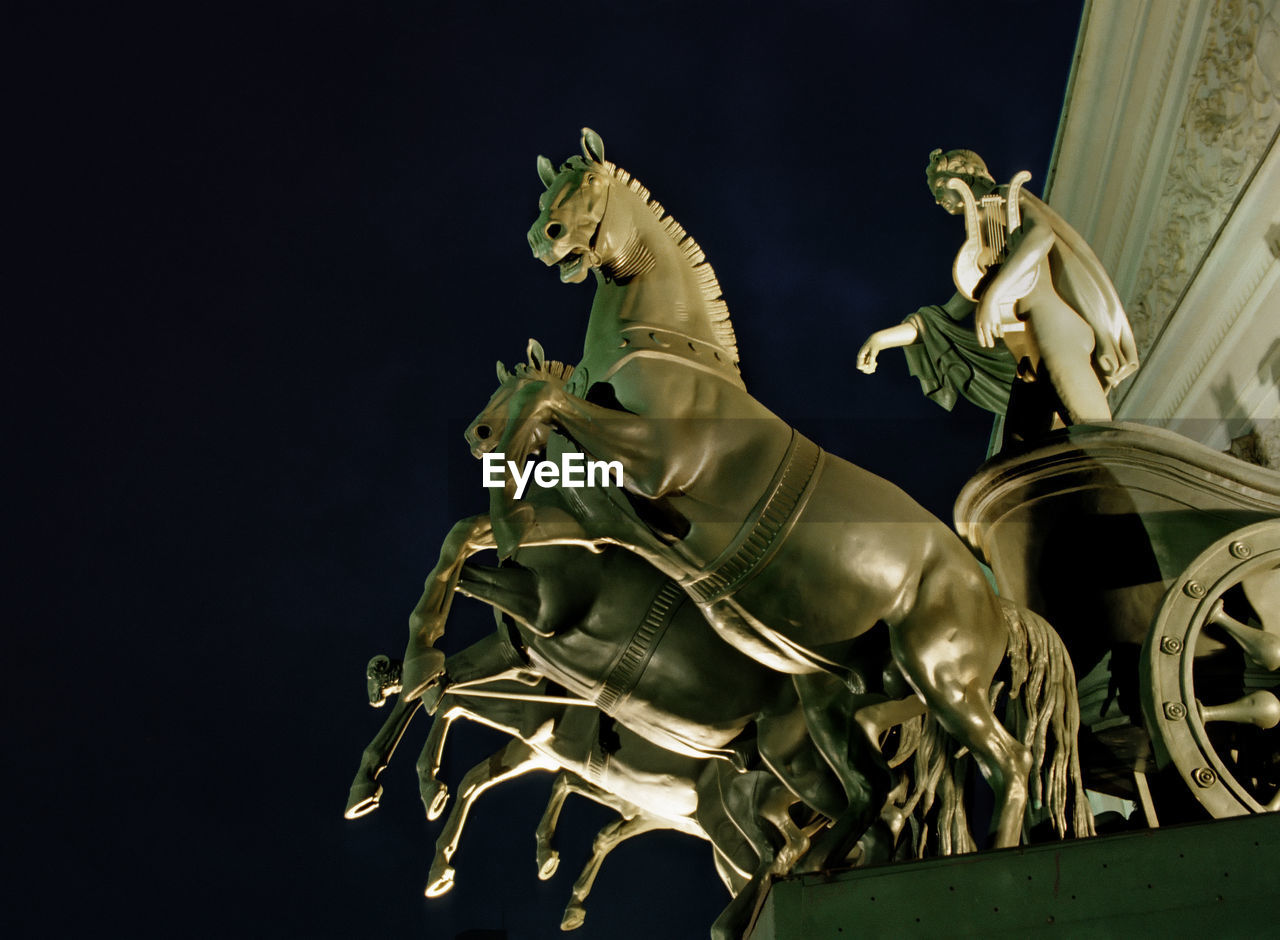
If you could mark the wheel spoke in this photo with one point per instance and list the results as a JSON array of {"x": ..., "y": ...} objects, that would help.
[
  {"x": 1261, "y": 647},
  {"x": 1260, "y": 708}
]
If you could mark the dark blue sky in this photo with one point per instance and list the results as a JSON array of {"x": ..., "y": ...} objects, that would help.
[{"x": 268, "y": 255}]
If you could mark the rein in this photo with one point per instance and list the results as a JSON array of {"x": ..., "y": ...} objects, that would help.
[{"x": 520, "y": 696}]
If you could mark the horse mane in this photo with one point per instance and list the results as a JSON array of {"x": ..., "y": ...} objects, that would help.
[
  {"x": 717, "y": 309},
  {"x": 551, "y": 369}
]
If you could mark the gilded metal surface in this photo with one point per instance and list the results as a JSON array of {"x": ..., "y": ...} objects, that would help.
[
  {"x": 640, "y": 780},
  {"x": 626, "y": 672},
  {"x": 764, "y": 531},
  {"x": 723, "y": 644},
  {"x": 612, "y": 629},
  {"x": 854, "y": 545}
]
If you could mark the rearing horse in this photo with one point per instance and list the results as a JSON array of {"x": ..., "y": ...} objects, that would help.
[
  {"x": 790, "y": 552},
  {"x": 818, "y": 564}
]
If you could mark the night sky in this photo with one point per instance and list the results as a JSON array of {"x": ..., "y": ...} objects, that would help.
[{"x": 265, "y": 259}]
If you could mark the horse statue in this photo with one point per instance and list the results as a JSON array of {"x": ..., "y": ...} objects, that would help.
[
  {"x": 792, "y": 554},
  {"x": 613, "y": 631},
  {"x": 948, "y": 633},
  {"x": 744, "y": 812}
]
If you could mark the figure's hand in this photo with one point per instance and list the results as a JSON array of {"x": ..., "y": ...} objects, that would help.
[
  {"x": 986, "y": 321},
  {"x": 903, "y": 334},
  {"x": 866, "y": 361}
]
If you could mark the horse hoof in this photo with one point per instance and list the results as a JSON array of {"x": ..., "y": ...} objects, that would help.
[
  {"x": 790, "y": 855},
  {"x": 441, "y": 881},
  {"x": 548, "y": 866},
  {"x": 364, "y": 798},
  {"x": 439, "y": 800},
  {"x": 574, "y": 916}
]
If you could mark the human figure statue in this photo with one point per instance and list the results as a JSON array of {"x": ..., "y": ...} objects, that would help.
[{"x": 1043, "y": 306}]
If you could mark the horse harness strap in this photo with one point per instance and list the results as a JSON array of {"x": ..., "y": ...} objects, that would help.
[
  {"x": 596, "y": 764},
  {"x": 645, "y": 341},
  {"x": 766, "y": 528},
  {"x": 626, "y": 671}
]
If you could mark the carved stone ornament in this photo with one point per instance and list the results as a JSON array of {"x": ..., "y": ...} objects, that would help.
[{"x": 1231, "y": 119}]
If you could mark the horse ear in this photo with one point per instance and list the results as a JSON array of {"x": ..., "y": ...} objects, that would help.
[
  {"x": 592, "y": 145},
  {"x": 537, "y": 358},
  {"x": 546, "y": 172},
  {"x": 503, "y": 375}
]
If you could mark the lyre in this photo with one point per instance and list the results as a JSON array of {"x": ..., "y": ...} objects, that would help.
[{"x": 990, "y": 223}]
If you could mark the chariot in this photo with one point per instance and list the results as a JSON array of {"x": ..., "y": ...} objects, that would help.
[{"x": 1158, "y": 561}]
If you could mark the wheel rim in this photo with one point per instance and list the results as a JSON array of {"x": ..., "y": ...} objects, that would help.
[{"x": 1211, "y": 705}]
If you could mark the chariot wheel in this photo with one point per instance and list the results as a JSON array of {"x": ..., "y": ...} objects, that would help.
[{"x": 1211, "y": 676}]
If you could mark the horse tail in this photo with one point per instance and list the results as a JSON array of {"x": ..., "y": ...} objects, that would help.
[
  {"x": 938, "y": 774},
  {"x": 1042, "y": 700}
]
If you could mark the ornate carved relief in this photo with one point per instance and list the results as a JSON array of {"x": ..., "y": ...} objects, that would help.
[{"x": 1231, "y": 118}]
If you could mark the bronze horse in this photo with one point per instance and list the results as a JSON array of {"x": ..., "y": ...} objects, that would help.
[
  {"x": 616, "y": 633},
  {"x": 791, "y": 553},
  {"x": 744, "y": 812},
  {"x": 744, "y": 815}
]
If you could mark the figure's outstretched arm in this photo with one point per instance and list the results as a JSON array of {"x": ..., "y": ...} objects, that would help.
[{"x": 902, "y": 334}]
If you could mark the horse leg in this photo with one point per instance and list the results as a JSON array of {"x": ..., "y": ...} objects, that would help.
[
  {"x": 735, "y": 856},
  {"x": 366, "y": 793},
  {"x": 547, "y": 857},
  {"x": 730, "y": 877},
  {"x": 775, "y": 808},
  {"x": 856, "y": 758},
  {"x": 877, "y": 718},
  {"x": 855, "y": 840},
  {"x": 753, "y": 800},
  {"x": 491, "y": 658},
  {"x": 514, "y": 591},
  {"x": 949, "y": 649},
  {"x": 879, "y": 843},
  {"x": 1004, "y": 761},
  {"x": 546, "y": 526},
  {"x": 422, "y": 661},
  {"x": 567, "y": 782},
  {"x": 607, "y": 839},
  {"x": 787, "y": 749},
  {"x": 513, "y": 760},
  {"x": 433, "y": 790}
]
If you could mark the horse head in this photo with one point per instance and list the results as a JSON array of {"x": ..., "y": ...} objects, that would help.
[
  {"x": 514, "y": 422},
  {"x": 566, "y": 232}
]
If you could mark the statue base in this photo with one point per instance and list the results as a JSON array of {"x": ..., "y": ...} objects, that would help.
[{"x": 1206, "y": 879}]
